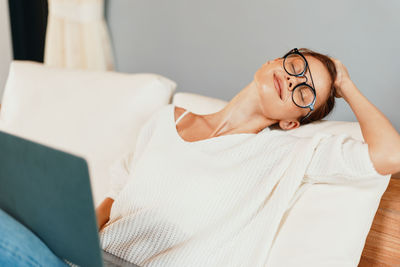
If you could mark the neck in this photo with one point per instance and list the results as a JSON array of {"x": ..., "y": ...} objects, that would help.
[{"x": 243, "y": 114}]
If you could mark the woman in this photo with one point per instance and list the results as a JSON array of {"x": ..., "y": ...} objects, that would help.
[
  {"x": 209, "y": 190},
  {"x": 199, "y": 193}
]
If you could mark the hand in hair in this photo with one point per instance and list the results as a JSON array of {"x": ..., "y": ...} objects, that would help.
[
  {"x": 382, "y": 138},
  {"x": 342, "y": 78}
]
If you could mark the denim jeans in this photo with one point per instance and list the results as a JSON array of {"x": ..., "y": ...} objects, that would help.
[{"x": 20, "y": 247}]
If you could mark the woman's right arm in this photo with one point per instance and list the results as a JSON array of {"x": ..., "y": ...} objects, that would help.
[
  {"x": 121, "y": 168},
  {"x": 103, "y": 212},
  {"x": 382, "y": 138}
]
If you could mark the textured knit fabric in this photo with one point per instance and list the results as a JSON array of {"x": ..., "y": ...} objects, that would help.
[{"x": 218, "y": 201}]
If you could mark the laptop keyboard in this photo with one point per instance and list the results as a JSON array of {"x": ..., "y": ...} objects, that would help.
[{"x": 110, "y": 260}]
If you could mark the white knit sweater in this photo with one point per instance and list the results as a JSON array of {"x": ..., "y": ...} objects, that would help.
[{"x": 219, "y": 201}]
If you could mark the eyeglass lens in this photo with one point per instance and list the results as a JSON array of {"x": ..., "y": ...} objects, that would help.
[
  {"x": 295, "y": 64},
  {"x": 303, "y": 96}
]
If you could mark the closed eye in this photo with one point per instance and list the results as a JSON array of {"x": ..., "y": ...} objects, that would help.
[{"x": 294, "y": 71}]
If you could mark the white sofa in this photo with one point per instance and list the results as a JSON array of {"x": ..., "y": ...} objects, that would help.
[{"x": 97, "y": 115}]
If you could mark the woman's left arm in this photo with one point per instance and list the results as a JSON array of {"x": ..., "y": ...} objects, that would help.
[{"x": 382, "y": 138}]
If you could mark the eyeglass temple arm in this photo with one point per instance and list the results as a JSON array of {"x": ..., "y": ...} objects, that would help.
[
  {"x": 311, "y": 79},
  {"x": 308, "y": 114}
]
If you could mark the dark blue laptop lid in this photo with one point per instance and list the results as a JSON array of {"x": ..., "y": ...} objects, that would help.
[{"x": 49, "y": 191}]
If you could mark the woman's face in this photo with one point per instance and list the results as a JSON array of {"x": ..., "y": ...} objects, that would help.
[{"x": 272, "y": 75}]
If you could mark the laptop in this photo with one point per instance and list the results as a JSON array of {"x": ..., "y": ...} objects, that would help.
[{"x": 49, "y": 192}]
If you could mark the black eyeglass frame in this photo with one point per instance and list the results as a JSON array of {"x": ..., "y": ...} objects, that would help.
[{"x": 302, "y": 74}]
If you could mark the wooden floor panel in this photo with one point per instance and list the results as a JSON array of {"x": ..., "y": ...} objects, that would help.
[{"x": 382, "y": 247}]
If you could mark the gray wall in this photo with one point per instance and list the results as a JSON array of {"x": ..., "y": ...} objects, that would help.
[
  {"x": 5, "y": 44},
  {"x": 213, "y": 48}
]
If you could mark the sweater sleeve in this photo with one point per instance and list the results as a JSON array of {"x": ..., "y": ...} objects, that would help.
[
  {"x": 121, "y": 169},
  {"x": 340, "y": 159}
]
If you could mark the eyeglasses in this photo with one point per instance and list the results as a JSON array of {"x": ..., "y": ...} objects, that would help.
[{"x": 303, "y": 95}]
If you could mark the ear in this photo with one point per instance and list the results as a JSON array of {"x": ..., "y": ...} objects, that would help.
[{"x": 289, "y": 124}]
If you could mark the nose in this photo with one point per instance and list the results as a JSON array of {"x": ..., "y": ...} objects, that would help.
[{"x": 293, "y": 80}]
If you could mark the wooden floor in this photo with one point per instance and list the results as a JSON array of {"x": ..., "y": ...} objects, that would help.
[{"x": 382, "y": 247}]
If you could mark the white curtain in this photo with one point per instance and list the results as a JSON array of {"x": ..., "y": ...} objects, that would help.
[{"x": 77, "y": 36}]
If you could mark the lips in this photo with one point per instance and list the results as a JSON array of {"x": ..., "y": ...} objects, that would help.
[{"x": 278, "y": 86}]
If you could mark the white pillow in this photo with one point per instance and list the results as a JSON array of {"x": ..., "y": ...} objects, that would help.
[
  {"x": 329, "y": 224},
  {"x": 93, "y": 114}
]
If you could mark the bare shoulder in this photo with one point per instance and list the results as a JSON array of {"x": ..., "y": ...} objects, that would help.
[{"x": 178, "y": 111}]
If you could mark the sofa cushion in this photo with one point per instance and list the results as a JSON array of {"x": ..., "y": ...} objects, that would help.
[
  {"x": 93, "y": 114},
  {"x": 329, "y": 223}
]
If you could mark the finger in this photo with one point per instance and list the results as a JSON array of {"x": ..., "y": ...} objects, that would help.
[{"x": 337, "y": 95}]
